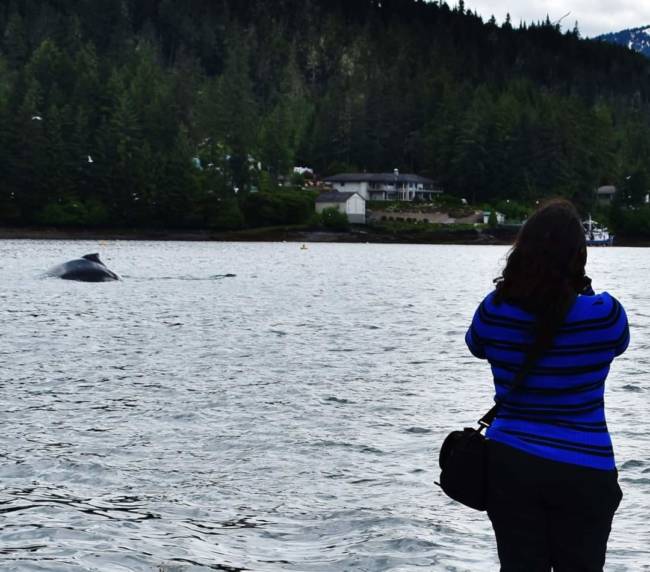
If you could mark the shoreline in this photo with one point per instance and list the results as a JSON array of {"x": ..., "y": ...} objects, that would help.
[
  {"x": 357, "y": 235},
  {"x": 274, "y": 234}
]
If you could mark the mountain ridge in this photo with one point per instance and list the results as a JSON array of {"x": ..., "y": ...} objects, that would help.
[{"x": 636, "y": 39}]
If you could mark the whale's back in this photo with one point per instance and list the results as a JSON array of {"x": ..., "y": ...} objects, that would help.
[{"x": 87, "y": 269}]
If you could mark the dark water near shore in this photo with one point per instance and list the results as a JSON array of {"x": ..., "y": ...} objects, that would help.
[{"x": 287, "y": 418}]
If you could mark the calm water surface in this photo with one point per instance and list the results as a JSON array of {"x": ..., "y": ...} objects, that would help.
[{"x": 288, "y": 418}]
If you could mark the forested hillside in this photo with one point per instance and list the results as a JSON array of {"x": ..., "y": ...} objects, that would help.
[{"x": 104, "y": 106}]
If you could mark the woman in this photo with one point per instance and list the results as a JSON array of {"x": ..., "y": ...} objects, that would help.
[{"x": 553, "y": 488}]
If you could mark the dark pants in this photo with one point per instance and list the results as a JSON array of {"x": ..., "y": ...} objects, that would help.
[{"x": 547, "y": 514}]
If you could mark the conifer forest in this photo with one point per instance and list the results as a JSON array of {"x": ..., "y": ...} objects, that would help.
[{"x": 162, "y": 113}]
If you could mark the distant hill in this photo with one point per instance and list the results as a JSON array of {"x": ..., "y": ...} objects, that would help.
[
  {"x": 169, "y": 114},
  {"x": 637, "y": 39}
]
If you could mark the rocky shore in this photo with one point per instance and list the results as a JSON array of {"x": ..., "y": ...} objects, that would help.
[{"x": 358, "y": 234}]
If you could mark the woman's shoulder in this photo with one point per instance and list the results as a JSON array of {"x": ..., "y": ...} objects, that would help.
[
  {"x": 492, "y": 305},
  {"x": 595, "y": 306}
]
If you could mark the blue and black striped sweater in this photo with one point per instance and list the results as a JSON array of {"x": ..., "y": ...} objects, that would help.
[{"x": 559, "y": 413}]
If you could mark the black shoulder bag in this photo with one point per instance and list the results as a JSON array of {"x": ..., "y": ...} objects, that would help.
[{"x": 463, "y": 455}]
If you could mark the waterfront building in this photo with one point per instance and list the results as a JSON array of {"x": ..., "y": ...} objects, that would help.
[
  {"x": 501, "y": 218},
  {"x": 386, "y": 186},
  {"x": 351, "y": 204},
  {"x": 605, "y": 194}
]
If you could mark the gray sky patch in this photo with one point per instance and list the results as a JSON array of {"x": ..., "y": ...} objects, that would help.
[{"x": 594, "y": 16}]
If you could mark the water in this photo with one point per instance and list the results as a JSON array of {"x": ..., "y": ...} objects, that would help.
[{"x": 287, "y": 418}]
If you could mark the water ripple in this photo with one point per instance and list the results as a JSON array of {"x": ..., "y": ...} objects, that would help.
[{"x": 239, "y": 407}]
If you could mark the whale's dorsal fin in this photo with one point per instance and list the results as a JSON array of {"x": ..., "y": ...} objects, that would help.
[{"x": 93, "y": 258}]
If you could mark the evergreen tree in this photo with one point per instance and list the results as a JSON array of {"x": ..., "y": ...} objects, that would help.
[
  {"x": 236, "y": 112},
  {"x": 15, "y": 44}
]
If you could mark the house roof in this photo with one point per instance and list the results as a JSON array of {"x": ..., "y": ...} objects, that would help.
[
  {"x": 606, "y": 190},
  {"x": 378, "y": 178},
  {"x": 336, "y": 197}
]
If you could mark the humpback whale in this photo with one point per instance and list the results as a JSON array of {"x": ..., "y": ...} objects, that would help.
[{"x": 88, "y": 268}]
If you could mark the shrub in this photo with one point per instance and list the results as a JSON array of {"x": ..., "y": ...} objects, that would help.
[
  {"x": 633, "y": 222},
  {"x": 513, "y": 210},
  {"x": 297, "y": 180},
  {"x": 266, "y": 183},
  {"x": 9, "y": 212},
  {"x": 70, "y": 212},
  {"x": 224, "y": 214},
  {"x": 334, "y": 219},
  {"x": 278, "y": 207}
]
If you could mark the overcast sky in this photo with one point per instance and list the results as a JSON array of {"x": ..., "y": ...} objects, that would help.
[{"x": 594, "y": 16}]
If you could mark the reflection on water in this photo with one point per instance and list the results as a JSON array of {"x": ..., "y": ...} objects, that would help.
[{"x": 262, "y": 407}]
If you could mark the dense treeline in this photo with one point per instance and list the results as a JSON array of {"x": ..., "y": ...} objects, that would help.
[{"x": 156, "y": 112}]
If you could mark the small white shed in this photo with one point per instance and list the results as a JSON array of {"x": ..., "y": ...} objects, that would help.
[
  {"x": 352, "y": 204},
  {"x": 501, "y": 218},
  {"x": 605, "y": 194}
]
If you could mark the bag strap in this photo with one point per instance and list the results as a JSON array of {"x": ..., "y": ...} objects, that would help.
[{"x": 531, "y": 358}]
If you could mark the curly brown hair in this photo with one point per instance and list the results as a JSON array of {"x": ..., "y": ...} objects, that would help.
[{"x": 546, "y": 267}]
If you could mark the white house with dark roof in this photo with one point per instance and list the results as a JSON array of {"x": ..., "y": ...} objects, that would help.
[
  {"x": 352, "y": 204},
  {"x": 385, "y": 186}
]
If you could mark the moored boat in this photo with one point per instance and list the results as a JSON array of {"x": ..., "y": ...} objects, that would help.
[{"x": 596, "y": 234}]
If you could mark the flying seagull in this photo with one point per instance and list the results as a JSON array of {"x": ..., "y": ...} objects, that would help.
[{"x": 90, "y": 159}]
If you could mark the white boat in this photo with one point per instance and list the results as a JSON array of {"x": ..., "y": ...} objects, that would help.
[{"x": 597, "y": 235}]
